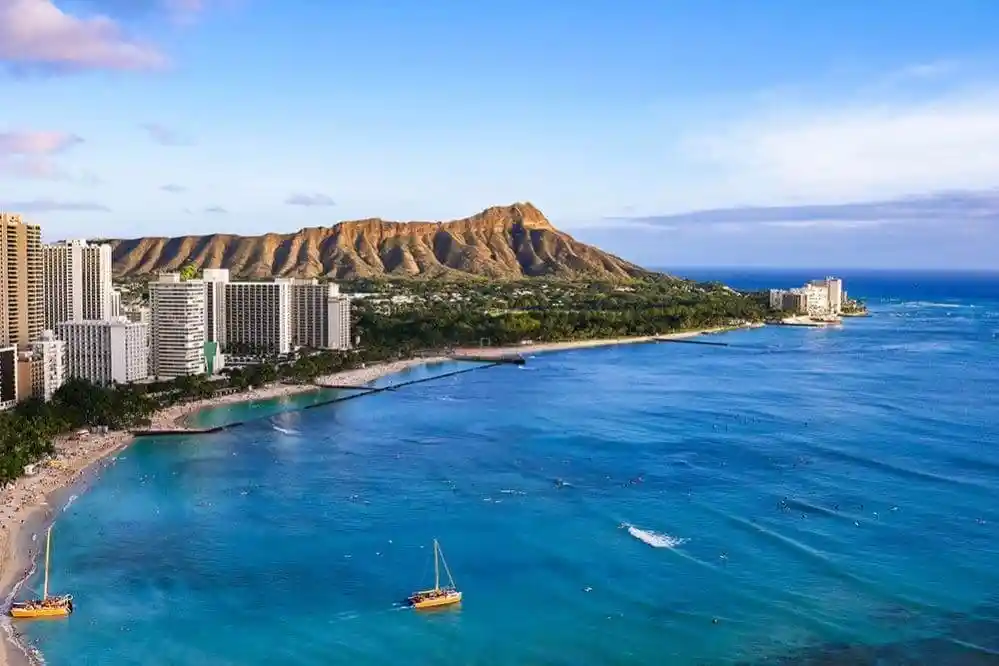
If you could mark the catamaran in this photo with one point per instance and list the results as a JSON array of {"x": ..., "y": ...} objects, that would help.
[
  {"x": 54, "y": 606},
  {"x": 438, "y": 596}
]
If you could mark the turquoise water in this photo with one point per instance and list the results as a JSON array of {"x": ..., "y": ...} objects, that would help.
[{"x": 803, "y": 496}]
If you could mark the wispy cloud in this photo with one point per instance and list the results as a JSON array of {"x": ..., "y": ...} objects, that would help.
[
  {"x": 940, "y": 208},
  {"x": 927, "y": 70},
  {"x": 28, "y": 154},
  {"x": 173, "y": 188},
  {"x": 309, "y": 200},
  {"x": 165, "y": 136},
  {"x": 32, "y": 168},
  {"x": 38, "y": 33},
  {"x": 864, "y": 150},
  {"x": 36, "y": 143},
  {"x": 216, "y": 210},
  {"x": 46, "y": 205}
]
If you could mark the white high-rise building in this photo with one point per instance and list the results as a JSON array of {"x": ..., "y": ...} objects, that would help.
[
  {"x": 106, "y": 351},
  {"x": 216, "y": 280},
  {"x": 177, "y": 326},
  {"x": 77, "y": 282},
  {"x": 50, "y": 353},
  {"x": 816, "y": 298},
  {"x": 116, "y": 310},
  {"x": 258, "y": 318},
  {"x": 320, "y": 315},
  {"x": 832, "y": 289}
]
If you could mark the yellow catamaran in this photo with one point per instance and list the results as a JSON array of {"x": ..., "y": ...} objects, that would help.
[
  {"x": 439, "y": 596},
  {"x": 55, "y": 606}
]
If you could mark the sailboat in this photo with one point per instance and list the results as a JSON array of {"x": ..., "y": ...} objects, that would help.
[
  {"x": 438, "y": 596},
  {"x": 54, "y": 606}
]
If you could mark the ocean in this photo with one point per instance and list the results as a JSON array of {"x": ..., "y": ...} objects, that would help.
[{"x": 802, "y": 496}]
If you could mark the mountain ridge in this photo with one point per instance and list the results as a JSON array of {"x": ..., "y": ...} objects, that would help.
[{"x": 512, "y": 241}]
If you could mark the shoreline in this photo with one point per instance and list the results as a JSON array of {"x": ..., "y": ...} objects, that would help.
[
  {"x": 29, "y": 504},
  {"x": 551, "y": 347}
]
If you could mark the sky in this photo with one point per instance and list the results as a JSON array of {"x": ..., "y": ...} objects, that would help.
[{"x": 681, "y": 133}]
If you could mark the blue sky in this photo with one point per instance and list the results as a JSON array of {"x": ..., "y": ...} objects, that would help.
[{"x": 674, "y": 133}]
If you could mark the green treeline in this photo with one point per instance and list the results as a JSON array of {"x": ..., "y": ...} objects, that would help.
[{"x": 544, "y": 312}]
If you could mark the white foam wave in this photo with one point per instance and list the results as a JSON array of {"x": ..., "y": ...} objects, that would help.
[
  {"x": 655, "y": 539},
  {"x": 919, "y": 347},
  {"x": 932, "y": 304},
  {"x": 285, "y": 431},
  {"x": 69, "y": 502}
]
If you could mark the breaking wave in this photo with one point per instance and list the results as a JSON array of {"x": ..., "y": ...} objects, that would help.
[{"x": 654, "y": 539}]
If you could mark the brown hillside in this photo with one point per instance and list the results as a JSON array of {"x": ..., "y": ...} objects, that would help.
[{"x": 500, "y": 242}]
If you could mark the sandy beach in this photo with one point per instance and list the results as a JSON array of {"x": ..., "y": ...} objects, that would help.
[
  {"x": 26, "y": 505},
  {"x": 545, "y": 347}
]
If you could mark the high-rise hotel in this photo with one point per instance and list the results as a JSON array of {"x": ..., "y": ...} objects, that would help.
[
  {"x": 320, "y": 315},
  {"x": 77, "y": 282},
  {"x": 22, "y": 317},
  {"x": 106, "y": 351},
  {"x": 21, "y": 305},
  {"x": 276, "y": 316},
  {"x": 83, "y": 309},
  {"x": 248, "y": 318},
  {"x": 177, "y": 326}
]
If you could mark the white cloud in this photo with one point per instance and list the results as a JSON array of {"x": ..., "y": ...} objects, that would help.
[
  {"x": 926, "y": 70},
  {"x": 856, "y": 152},
  {"x": 37, "y": 32}
]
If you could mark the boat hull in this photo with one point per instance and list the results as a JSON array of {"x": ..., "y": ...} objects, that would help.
[
  {"x": 28, "y": 613},
  {"x": 420, "y": 601},
  {"x": 51, "y": 607}
]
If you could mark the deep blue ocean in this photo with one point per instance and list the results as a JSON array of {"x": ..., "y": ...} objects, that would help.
[{"x": 803, "y": 496}]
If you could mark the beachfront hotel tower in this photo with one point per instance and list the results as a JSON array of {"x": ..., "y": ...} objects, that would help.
[
  {"x": 817, "y": 298},
  {"x": 22, "y": 315},
  {"x": 258, "y": 318},
  {"x": 320, "y": 315},
  {"x": 77, "y": 282},
  {"x": 254, "y": 319},
  {"x": 215, "y": 280},
  {"x": 49, "y": 357},
  {"x": 106, "y": 351},
  {"x": 177, "y": 326}
]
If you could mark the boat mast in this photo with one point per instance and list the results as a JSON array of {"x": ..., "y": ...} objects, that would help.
[
  {"x": 48, "y": 547},
  {"x": 437, "y": 573}
]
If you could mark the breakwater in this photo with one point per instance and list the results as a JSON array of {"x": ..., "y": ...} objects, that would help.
[
  {"x": 154, "y": 432},
  {"x": 693, "y": 342},
  {"x": 357, "y": 392},
  {"x": 496, "y": 359}
]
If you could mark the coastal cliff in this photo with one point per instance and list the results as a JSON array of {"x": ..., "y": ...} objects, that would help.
[{"x": 500, "y": 242}]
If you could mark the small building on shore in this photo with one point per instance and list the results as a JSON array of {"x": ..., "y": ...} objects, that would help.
[{"x": 817, "y": 298}]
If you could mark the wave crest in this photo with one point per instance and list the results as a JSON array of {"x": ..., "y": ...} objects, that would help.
[{"x": 654, "y": 539}]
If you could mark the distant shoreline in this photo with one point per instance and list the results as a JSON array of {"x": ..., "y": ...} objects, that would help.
[
  {"x": 29, "y": 504},
  {"x": 550, "y": 347}
]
